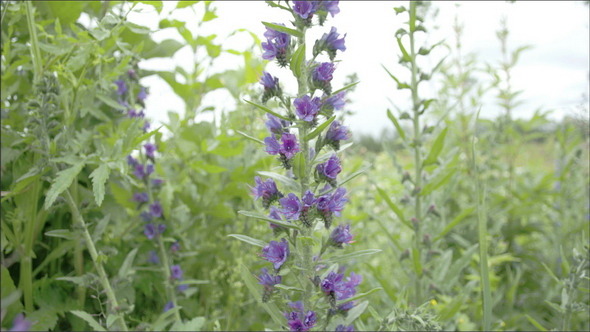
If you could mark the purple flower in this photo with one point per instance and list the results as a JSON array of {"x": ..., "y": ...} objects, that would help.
[
  {"x": 150, "y": 149},
  {"x": 152, "y": 231},
  {"x": 174, "y": 247},
  {"x": 182, "y": 287},
  {"x": 268, "y": 81},
  {"x": 330, "y": 6},
  {"x": 291, "y": 206},
  {"x": 330, "y": 42},
  {"x": 268, "y": 280},
  {"x": 154, "y": 259},
  {"x": 133, "y": 113},
  {"x": 299, "y": 320},
  {"x": 139, "y": 171},
  {"x": 306, "y": 108},
  {"x": 156, "y": 209},
  {"x": 146, "y": 126},
  {"x": 146, "y": 216},
  {"x": 169, "y": 305},
  {"x": 131, "y": 161},
  {"x": 341, "y": 235},
  {"x": 335, "y": 286},
  {"x": 149, "y": 169},
  {"x": 328, "y": 205},
  {"x": 336, "y": 133},
  {"x": 305, "y": 9},
  {"x": 330, "y": 169},
  {"x": 275, "y": 214},
  {"x": 140, "y": 197},
  {"x": 175, "y": 272},
  {"x": 20, "y": 323},
  {"x": 276, "y": 46},
  {"x": 276, "y": 125},
  {"x": 323, "y": 72},
  {"x": 121, "y": 87},
  {"x": 157, "y": 182},
  {"x": 287, "y": 148},
  {"x": 335, "y": 102},
  {"x": 342, "y": 328},
  {"x": 276, "y": 253},
  {"x": 332, "y": 282},
  {"x": 272, "y": 145},
  {"x": 266, "y": 190},
  {"x": 142, "y": 94}
]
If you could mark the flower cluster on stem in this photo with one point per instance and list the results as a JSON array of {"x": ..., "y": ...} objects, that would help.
[{"x": 300, "y": 216}]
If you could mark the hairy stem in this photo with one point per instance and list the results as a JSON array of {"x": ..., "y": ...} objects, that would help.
[
  {"x": 104, "y": 280},
  {"x": 166, "y": 270}
]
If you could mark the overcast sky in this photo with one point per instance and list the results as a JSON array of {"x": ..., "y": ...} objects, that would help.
[{"x": 553, "y": 74}]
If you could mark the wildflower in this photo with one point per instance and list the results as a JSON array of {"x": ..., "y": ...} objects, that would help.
[
  {"x": 305, "y": 9},
  {"x": 274, "y": 214},
  {"x": 156, "y": 209},
  {"x": 182, "y": 287},
  {"x": 266, "y": 190},
  {"x": 335, "y": 102},
  {"x": 140, "y": 197},
  {"x": 306, "y": 108},
  {"x": 336, "y": 133},
  {"x": 152, "y": 230},
  {"x": 169, "y": 305},
  {"x": 146, "y": 216},
  {"x": 340, "y": 235},
  {"x": 268, "y": 281},
  {"x": 328, "y": 205},
  {"x": 154, "y": 259},
  {"x": 271, "y": 86},
  {"x": 174, "y": 247},
  {"x": 121, "y": 87},
  {"x": 291, "y": 206},
  {"x": 20, "y": 323},
  {"x": 276, "y": 253},
  {"x": 336, "y": 288},
  {"x": 133, "y": 113},
  {"x": 330, "y": 42},
  {"x": 342, "y": 328},
  {"x": 139, "y": 171},
  {"x": 300, "y": 320},
  {"x": 146, "y": 126},
  {"x": 157, "y": 182},
  {"x": 276, "y": 46},
  {"x": 142, "y": 95},
  {"x": 175, "y": 272},
  {"x": 330, "y": 6},
  {"x": 286, "y": 149},
  {"x": 150, "y": 149},
  {"x": 132, "y": 74},
  {"x": 323, "y": 72},
  {"x": 276, "y": 125},
  {"x": 308, "y": 201},
  {"x": 131, "y": 161},
  {"x": 329, "y": 170}
]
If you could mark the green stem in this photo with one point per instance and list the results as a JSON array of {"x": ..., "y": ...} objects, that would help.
[
  {"x": 417, "y": 151},
  {"x": 104, "y": 280},
  {"x": 166, "y": 270},
  {"x": 35, "y": 51}
]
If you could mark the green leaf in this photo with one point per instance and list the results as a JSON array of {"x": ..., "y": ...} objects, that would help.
[
  {"x": 289, "y": 288},
  {"x": 351, "y": 255},
  {"x": 319, "y": 128},
  {"x": 465, "y": 213},
  {"x": 405, "y": 55},
  {"x": 355, "y": 312},
  {"x": 62, "y": 182},
  {"x": 398, "y": 212},
  {"x": 439, "y": 181},
  {"x": 359, "y": 296},
  {"x": 89, "y": 319},
  {"x": 194, "y": 324},
  {"x": 10, "y": 295},
  {"x": 354, "y": 175},
  {"x": 297, "y": 63},
  {"x": 99, "y": 177},
  {"x": 262, "y": 217},
  {"x": 61, "y": 233},
  {"x": 400, "y": 85},
  {"x": 535, "y": 323},
  {"x": 125, "y": 269},
  {"x": 184, "y": 4},
  {"x": 287, "y": 181},
  {"x": 249, "y": 240},
  {"x": 165, "y": 49},
  {"x": 250, "y": 137},
  {"x": 110, "y": 102},
  {"x": 267, "y": 110},
  {"x": 156, "y": 4},
  {"x": 436, "y": 149},
  {"x": 345, "y": 88},
  {"x": 400, "y": 131},
  {"x": 255, "y": 289},
  {"x": 281, "y": 28}
]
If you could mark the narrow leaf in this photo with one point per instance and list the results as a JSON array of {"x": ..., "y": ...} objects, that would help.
[
  {"x": 465, "y": 213},
  {"x": 267, "y": 110},
  {"x": 262, "y": 217},
  {"x": 62, "y": 182},
  {"x": 355, "y": 312},
  {"x": 437, "y": 147},
  {"x": 535, "y": 323},
  {"x": 248, "y": 240},
  {"x": 320, "y": 128},
  {"x": 281, "y": 28},
  {"x": 124, "y": 271},
  {"x": 345, "y": 88},
  {"x": 255, "y": 289},
  {"x": 438, "y": 182},
  {"x": 360, "y": 296},
  {"x": 355, "y": 254},
  {"x": 99, "y": 177},
  {"x": 297, "y": 60},
  {"x": 250, "y": 137},
  {"x": 89, "y": 319},
  {"x": 398, "y": 212},
  {"x": 287, "y": 181},
  {"x": 405, "y": 54},
  {"x": 401, "y": 132},
  {"x": 400, "y": 85}
]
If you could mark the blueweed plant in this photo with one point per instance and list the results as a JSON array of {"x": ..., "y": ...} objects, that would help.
[{"x": 306, "y": 138}]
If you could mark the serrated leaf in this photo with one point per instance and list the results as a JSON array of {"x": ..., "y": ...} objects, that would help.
[
  {"x": 249, "y": 240},
  {"x": 281, "y": 28},
  {"x": 89, "y": 319},
  {"x": 62, "y": 182},
  {"x": 262, "y": 217},
  {"x": 99, "y": 177},
  {"x": 436, "y": 149},
  {"x": 398, "y": 212},
  {"x": 400, "y": 131},
  {"x": 267, "y": 110},
  {"x": 351, "y": 255},
  {"x": 320, "y": 128}
]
